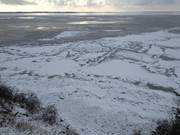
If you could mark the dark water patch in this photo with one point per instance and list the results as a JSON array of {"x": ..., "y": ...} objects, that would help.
[
  {"x": 171, "y": 72},
  {"x": 2, "y": 68},
  {"x": 168, "y": 58},
  {"x": 11, "y": 35},
  {"x": 176, "y": 31},
  {"x": 162, "y": 88},
  {"x": 54, "y": 76},
  {"x": 137, "y": 83}
]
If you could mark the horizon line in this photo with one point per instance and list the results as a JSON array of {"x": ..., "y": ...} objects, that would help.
[{"x": 83, "y": 12}]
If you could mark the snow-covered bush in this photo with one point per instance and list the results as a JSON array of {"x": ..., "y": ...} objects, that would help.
[{"x": 50, "y": 115}]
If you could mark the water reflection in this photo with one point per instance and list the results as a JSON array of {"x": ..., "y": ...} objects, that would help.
[{"x": 96, "y": 22}]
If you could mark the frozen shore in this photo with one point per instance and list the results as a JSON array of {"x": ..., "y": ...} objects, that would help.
[{"x": 107, "y": 86}]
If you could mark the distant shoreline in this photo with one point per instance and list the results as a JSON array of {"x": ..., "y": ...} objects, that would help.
[
  {"x": 93, "y": 12},
  {"x": 122, "y": 12}
]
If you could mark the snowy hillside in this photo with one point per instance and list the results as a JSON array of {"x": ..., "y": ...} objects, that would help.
[{"x": 101, "y": 87}]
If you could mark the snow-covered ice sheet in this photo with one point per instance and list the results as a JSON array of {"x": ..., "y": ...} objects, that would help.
[
  {"x": 66, "y": 34},
  {"x": 105, "y": 86}
]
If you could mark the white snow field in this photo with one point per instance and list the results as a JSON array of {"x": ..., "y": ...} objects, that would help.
[{"x": 109, "y": 86}]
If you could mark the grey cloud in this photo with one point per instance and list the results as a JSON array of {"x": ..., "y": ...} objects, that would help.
[
  {"x": 75, "y": 2},
  {"x": 15, "y": 2},
  {"x": 117, "y": 2},
  {"x": 97, "y": 3},
  {"x": 143, "y": 2}
]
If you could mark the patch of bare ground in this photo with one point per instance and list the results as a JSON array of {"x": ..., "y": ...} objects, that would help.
[{"x": 168, "y": 127}]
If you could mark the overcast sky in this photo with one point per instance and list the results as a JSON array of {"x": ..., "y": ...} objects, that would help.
[{"x": 89, "y": 5}]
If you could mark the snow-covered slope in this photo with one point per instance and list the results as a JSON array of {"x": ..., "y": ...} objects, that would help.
[{"x": 107, "y": 86}]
